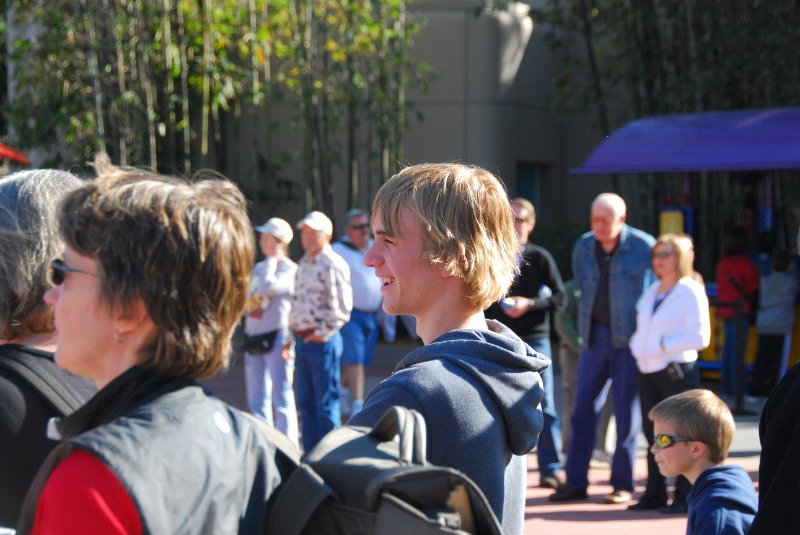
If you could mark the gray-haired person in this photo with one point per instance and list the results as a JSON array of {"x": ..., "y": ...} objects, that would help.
[
  {"x": 360, "y": 334},
  {"x": 29, "y": 241}
]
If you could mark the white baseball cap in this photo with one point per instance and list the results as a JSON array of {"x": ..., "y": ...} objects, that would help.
[
  {"x": 317, "y": 221},
  {"x": 277, "y": 227}
]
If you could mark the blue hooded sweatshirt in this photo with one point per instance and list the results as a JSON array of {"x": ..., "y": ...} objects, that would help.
[
  {"x": 722, "y": 502},
  {"x": 479, "y": 392}
]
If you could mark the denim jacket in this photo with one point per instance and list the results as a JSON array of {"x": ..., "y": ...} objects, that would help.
[{"x": 629, "y": 276}]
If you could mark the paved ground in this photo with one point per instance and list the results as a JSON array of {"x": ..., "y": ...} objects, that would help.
[{"x": 541, "y": 516}]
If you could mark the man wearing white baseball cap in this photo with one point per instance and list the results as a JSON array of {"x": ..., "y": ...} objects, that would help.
[
  {"x": 321, "y": 305},
  {"x": 268, "y": 376}
]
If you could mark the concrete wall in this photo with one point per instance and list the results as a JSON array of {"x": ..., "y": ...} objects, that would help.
[{"x": 491, "y": 105}]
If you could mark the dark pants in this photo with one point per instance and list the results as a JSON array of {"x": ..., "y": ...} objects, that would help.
[
  {"x": 653, "y": 388},
  {"x": 767, "y": 365},
  {"x": 599, "y": 362},
  {"x": 730, "y": 348}
]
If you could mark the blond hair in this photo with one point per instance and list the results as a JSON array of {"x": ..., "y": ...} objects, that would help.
[
  {"x": 683, "y": 251},
  {"x": 467, "y": 220},
  {"x": 186, "y": 249},
  {"x": 702, "y": 416},
  {"x": 525, "y": 204}
]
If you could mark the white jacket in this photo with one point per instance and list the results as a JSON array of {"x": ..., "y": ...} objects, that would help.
[{"x": 676, "y": 331}]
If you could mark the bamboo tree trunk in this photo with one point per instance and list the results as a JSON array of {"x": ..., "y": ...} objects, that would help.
[
  {"x": 300, "y": 15},
  {"x": 255, "y": 82},
  {"x": 88, "y": 20},
  {"x": 352, "y": 121},
  {"x": 185, "y": 96},
  {"x": 143, "y": 65},
  {"x": 352, "y": 156},
  {"x": 124, "y": 121},
  {"x": 383, "y": 84},
  {"x": 400, "y": 102},
  {"x": 594, "y": 70},
  {"x": 136, "y": 114},
  {"x": 206, "y": 91}
]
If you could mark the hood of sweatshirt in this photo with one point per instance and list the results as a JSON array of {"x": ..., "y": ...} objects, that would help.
[{"x": 505, "y": 366}]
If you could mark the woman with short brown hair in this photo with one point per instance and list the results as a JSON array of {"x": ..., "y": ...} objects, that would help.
[{"x": 152, "y": 283}]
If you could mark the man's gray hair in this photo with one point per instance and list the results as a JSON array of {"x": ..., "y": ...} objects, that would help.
[
  {"x": 611, "y": 200},
  {"x": 354, "y": 213},
  {"x": 29, "y": 240}
]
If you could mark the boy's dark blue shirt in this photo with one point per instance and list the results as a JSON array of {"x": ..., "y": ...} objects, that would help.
[{"x": 722, "y": 502}]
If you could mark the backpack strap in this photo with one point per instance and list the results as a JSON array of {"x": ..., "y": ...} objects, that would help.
[
  {"x": 298, "y": 499},
  {"x": 41, "y": 377},
  {"x": 302, "y": 490},
  {"x": 281, "y": 442},
  {"x": 409, "y": 426}
]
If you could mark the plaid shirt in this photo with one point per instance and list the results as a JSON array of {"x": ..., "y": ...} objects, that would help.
[{"x": 323, "y": 297}]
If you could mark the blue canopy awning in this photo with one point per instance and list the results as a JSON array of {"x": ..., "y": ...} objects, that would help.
[{"x": 765, "y": 139}]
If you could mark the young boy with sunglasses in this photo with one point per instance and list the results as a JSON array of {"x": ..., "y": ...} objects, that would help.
[{"x": 693, "y": 431}]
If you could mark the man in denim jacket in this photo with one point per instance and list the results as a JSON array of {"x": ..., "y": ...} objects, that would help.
[{"x": 612, "y": 268}]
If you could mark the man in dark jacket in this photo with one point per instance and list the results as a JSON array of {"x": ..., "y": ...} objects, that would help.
[
  {"x": 445, "y": 249},
  {"x": 536, "y": 291},
  {"x": 778, "y": 470}
]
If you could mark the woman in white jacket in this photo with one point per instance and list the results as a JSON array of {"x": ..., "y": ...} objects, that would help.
[{"x": 672, "y": 324}]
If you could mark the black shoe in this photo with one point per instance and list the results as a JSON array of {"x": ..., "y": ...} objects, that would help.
[
  {"x": 566, "y": 494},
  {"x": 646, "y": 504},
  {"x": 675, "y": 509}
]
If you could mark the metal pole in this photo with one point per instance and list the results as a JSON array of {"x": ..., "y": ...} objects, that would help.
[{"x": 742, "y": 326}]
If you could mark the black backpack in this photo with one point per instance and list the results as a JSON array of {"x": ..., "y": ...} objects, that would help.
[{"x": 376, "y": 481}]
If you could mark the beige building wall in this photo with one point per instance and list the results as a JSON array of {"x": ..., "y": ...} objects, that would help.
[{"x": 491, "y": 105}]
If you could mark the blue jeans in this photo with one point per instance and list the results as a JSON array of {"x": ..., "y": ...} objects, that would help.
[
  {"x": 316, "y": 384},
  {"x": 548, "y": 450},
  {"x": 600, "y": 361},
  {"x": 268, "y": 379}
]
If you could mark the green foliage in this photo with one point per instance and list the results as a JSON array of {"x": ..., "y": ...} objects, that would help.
[
  {"x": 346, "y": 64},
  {"x": 674, "y": 56},
  {"x": 151, "y": 81}
]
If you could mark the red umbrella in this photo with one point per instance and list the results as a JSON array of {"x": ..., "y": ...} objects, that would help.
[{"x": 13, "y": 154}]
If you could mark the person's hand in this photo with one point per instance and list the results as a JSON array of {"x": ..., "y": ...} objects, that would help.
[
  {"x": 521, "y": 306},
  {"x": 286, "y": 352},
  {"x": 313, "y": 337}
]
